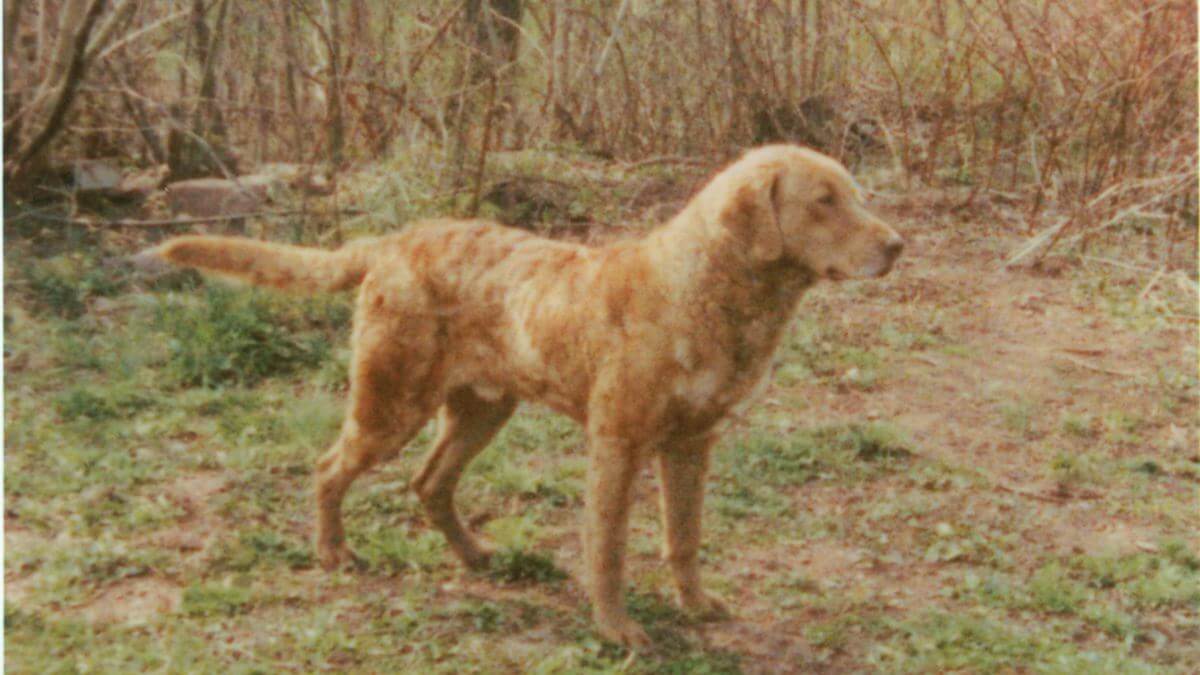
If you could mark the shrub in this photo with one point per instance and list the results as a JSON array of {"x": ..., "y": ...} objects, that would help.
[
  {"x": 235, "y": 336},
  {"x": 63, "y": 284}
]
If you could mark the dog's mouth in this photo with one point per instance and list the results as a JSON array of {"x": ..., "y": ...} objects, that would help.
[{"x": 880, "y": 269}]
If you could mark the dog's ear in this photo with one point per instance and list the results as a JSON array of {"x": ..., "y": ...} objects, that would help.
[{"x": 753, "y": 215}]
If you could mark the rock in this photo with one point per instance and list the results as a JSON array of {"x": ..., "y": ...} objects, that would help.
[
  {"x": 211, "y": 197},
  {"x": 298, "y": 177},
  {"x": 96, "y": 175},
  {"x": 143, "y": 183}
]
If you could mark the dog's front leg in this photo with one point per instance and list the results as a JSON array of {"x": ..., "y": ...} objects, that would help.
[
  {"x": 682, "y": 467},
  {"x": 613, "y": 465}
]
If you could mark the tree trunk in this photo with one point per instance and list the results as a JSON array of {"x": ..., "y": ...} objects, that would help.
[
  {"x": 333, "y": 98},
  {"x": 199, "y": 149},
  {"x": 490, "y": 37},
  {"x": 72, "y": 55},
  {"x": 288, "y": 37}
]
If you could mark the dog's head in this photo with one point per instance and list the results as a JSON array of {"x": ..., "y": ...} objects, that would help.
[{"x": 784, "y": 202}]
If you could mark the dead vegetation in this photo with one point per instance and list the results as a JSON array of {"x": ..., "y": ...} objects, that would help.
[{"x": 1082, "y": 114}]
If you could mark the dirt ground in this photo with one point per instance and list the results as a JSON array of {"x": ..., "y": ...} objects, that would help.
[{"x": 1052, "y": 415}]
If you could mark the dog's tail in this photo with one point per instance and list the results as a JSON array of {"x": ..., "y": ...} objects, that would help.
[{"x": 268, "y": 264}]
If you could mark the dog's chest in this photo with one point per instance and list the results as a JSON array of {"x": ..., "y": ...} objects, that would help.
[{"x": 717, "y": 373}]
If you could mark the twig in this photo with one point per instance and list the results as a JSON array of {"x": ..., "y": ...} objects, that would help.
[
  {"x": 1052, "y": 498},
  {"x": 1032, "y": 495},
  {"x": 130, "y": 37},
  {"x": 664, "y": 159},
  {"x": 1185, "y": 283},
  {"x": 598, "y": 69},
  {"x": 1150, "y": 284},
  {"x": 484, "y": 147},
  {"x": 178, "y": 221},
  {"x": 1036, "y": 240},
  {"x": 1084, "y": 364},
  {"x": 1118, "y": 263}
]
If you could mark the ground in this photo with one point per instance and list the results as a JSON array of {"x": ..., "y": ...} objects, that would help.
[{"x": 963, "y": 466}]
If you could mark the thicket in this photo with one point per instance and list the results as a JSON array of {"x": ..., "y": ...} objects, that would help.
[{"x": 1083, "y": 113}]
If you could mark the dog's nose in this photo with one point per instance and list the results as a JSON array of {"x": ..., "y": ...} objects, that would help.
[{"x": 894, "y": 247}]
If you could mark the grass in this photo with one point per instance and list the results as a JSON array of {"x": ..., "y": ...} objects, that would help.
[
  {"x": 63, "y": 285},
  {"x": 890, "y": 505},
  {"x": 516, "y": 566},
  {"x": 235, "y": 336}
]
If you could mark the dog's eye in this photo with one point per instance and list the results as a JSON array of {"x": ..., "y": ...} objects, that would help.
[{"x": 827, "y": 200}]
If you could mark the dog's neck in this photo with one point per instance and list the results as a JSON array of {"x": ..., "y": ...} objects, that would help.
[{"x": 704, "y": 259}]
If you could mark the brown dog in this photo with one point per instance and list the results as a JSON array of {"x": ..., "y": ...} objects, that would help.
[{"x": 648, "y": 343}]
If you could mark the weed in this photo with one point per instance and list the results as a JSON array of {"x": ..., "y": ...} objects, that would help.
[
  {"x": 1146, "y": 580},
  {"x": 970, "y": 642},
  {"x": 102, "y": 403},
  {"x": 709, "y": 663},
  {"x": 515, "y": 532},
  {"x": 62, "y": 285},
  {"x": 652, "y": 608},
  {"x": 833, "y": 635},
  {"x": 234, "y": 336},
  {"x": 215, "y": 600},
  {"x": 1147, "y": 466},
  {"x": 758, "y": 465},
  {"x": 1075, "y": 469},
  {"x": 1052, "y": 590},
  {"x": 261, "y": 547},
  {"x": 400, "y": 549},
  {"x": 1081, "y": 425},
  {"x": 68, "y": 572},
  {"x": 1179, "y": 388},
  {"x": 517, "y": 566},
  {"x": 1116, "y": 623},
  {"x": 907, "y": 341},
  {"x": 1122, "y": 426},
  {"x": 872, "y": 442},
  {"x": 1018, "y": 416},
  {"x": 487, "y": 617},
  {"x": 861, "y": 367},
  {"x": 959, "y": 544}
]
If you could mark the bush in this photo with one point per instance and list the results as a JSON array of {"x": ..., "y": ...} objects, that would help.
[
  {"x": 235, "y": 337},
  {"x": 96, "y": 403},
  {"x": 517, "y": 566},
  {"x": 63, "y": 284}
]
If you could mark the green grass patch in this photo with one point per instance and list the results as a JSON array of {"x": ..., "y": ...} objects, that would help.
[
  {"x": 937, "y": 642},
  {"x": 70, "y": 571},
  {"x": 63, "y": 285},
  {"x": 236, "y": 336},
  {"x": 215, "y": 600},
  {"x": 1167, "y": 580},
  {"x": 513, "y": 566},
  {"x": 94, "y": 403},
  {"x": 756, "y": 469},
  {"x": 398, "y": 549},
  {"x": 261, "y": 548}
]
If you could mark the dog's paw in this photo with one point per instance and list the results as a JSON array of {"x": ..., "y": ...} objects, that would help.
[
  {"x": 478, "y": 558},
  {"x": 623, "y": 630},
  {"x": 705, "y": 607},
  {"x": 340, "y": 557}
]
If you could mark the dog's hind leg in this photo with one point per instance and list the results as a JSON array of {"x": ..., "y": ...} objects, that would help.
[
  {"x": 392, "y": 395},
  {"x": 356, "y": 450},
  {"x": 466, "y": 422}
]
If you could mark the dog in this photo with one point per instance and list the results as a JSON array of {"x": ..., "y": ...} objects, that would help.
[{"x": 647, "y": 343}]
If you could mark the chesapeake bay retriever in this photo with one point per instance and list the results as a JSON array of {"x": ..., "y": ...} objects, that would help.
[{"x": 647, "y": 343}]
